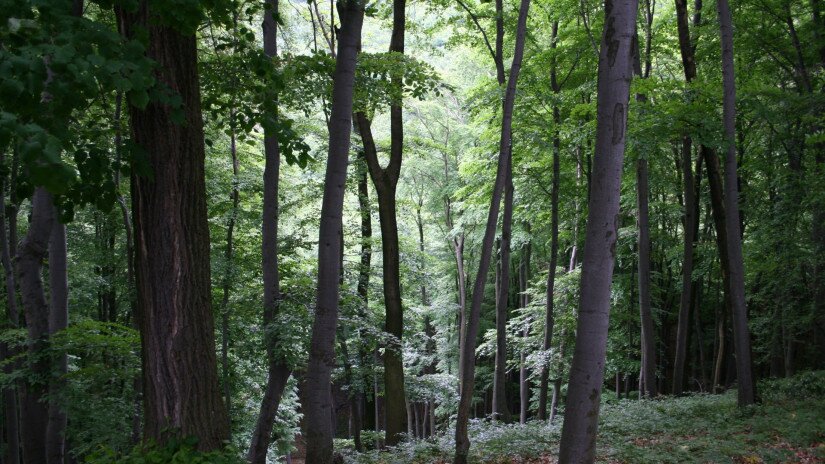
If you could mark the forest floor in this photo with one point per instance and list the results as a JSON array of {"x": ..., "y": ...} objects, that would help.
[{"x": 787, "y": 427}]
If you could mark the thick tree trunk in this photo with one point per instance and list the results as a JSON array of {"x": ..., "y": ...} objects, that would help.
[
  {"x": 30, "y": 256},
  {"x": 741, "y": 333},
  {"x": 180, "y": 379},
  {"x": 278, "y": 371},
  {"x": 578, "y": 441},
  {"x": 467, "y": 366},
  {"x": 58, "y": 320},
  {"x": 318, "y": 402},
  {"x": 648, "y": 342},
  {"x": 500, "y": 409}
]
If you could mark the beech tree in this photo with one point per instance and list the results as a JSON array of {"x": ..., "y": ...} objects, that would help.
[
  {"x": 467, "y": 359},
  {"x": 581, "y": 415},
  {"x": 318, "y": 405}
]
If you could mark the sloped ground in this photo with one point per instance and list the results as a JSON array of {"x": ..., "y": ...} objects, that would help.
[{"x": 787, "y": 427}]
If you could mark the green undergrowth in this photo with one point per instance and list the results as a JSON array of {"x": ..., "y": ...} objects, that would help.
[{"x": 788, "y": 426}]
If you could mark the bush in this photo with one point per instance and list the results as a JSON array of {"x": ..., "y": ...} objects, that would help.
[{"x": 177, "y": 451}]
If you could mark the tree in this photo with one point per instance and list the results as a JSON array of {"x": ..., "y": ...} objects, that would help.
[
  {"x": 467, "y": 363},
  {"x": 278, "y": 371},
  {"x": 31, "y": 253},
  {"x": 578, "y": 441},
  {"x": 180, "y": 381},
  {"x": 318, "y": 401},
  {"x": 385, "y": 180},
  {"x": 746, "y": 384}
]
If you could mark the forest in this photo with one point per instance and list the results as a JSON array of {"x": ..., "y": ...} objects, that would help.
[{"x": 412, "y": 231}]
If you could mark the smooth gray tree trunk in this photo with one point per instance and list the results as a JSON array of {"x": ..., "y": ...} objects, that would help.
[
  {"x": 317, "y": 403},
  {"x": 467, "y": 364},
  {"x": 578, "y": 440},
  {"x": 746, "y": 385},
  {"x": 278, "y": 371}
]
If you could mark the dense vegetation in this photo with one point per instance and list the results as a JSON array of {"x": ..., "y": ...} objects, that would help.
[{"x": 412, "y": 231}]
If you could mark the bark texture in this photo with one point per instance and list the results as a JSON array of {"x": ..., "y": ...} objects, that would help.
[{"x": 180, "y": 379}]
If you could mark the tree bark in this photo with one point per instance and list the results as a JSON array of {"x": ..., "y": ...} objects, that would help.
[
  {"x": 278, "y": 371},
  {"x": 30, "y": 256},
  {"x": 549, "y": 321},
  {"x": 467, "y": 365},
  {"x": 645, "y": 313},
  {"x": 58, "y": 320},
  {"x": 578, "y": 440},
  {"x": 686, "y": 301},
  {"x": 318, "y": 401},
  {"x": 500, "y": 409},
  {"x": 741, "y": 333},
  {"x": 180, "y": 379}
]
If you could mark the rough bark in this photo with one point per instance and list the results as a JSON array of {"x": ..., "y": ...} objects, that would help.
[
  {"x": 467, "y": 364},
  {"x": 318, "y": 399},
  {"x": 278, "y": 371},
  {"x": 180, "y": 379},
  {"x": 741, "y": 333},
  {"x": 578, "y": 440}
]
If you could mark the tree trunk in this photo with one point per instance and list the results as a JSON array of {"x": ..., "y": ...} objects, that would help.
[
  {"x": 180, "y": 379},
  {"x": 685, "y": 302},
  {"x": 549, "y": 321},
  {"x": 578, "y": 440},
  {"x": 741, "y": 334},
  {"x": 229, "y": 256},
  {"x": 500, "y": 409},
  {"x": 467, "y": 365},
  {"x": 386, "y": 181},
  {"x": 318, "y": 402},
  {"x": 524, "y": 381},
  {"x": 364, "y": 280},
  {"x": 30, "y": 256},
  {"x": 648, "y": 342},
  {"x": 58, "y": 320},
  {"x": 278, "y": 371},
  {"x": 11, "y": 424}
]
